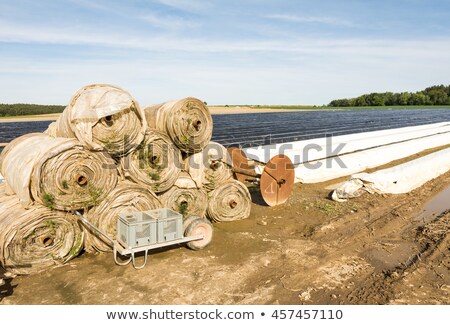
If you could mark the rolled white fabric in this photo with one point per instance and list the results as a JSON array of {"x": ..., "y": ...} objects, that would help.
[
  {"x": 187, "y": 121},
  {"x": 57, "y": 172},
  {"x": 35, "y": 239},
  {"x": 229, "y": 202},
  {"x": 102, "y": 117},
  {"x": 184, "y": 197},
  {"x": 156, "y": 163},
  {"x": 211, "y": 167}
]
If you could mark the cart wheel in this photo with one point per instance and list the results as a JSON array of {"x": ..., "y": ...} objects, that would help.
[
  {"x": 187, "y": 221},
  {"x": 199, "y": 226}
]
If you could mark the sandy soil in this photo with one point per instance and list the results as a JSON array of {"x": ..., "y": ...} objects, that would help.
[
  {"x": 376, "y": 249},
  {"x": 30, "y": 118}
]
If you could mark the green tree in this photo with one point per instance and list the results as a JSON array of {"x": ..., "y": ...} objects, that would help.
[{"x": 435, "y": 95}]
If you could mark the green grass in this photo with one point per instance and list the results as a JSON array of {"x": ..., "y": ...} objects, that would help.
[
  {"x": 48, "y": 200},
  {"x": 65, "y": 184},
  {"x": 183, "y": 208},
  {"x": 77, "y": 246},
  {"x": 95, "y": 194},
  {"x": 50, "y": 224},
  {"x": 154, "y": 176}
]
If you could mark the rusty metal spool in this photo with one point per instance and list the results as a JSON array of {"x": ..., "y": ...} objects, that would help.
[
  {"x": 275, "y": 182},
  {"x": 242, "y": 171}
]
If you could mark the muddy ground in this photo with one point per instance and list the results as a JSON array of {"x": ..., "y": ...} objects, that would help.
[{"x": 371, "y": 250}]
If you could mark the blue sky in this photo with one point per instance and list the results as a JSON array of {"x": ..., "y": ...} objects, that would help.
[{"x": 223, "y": 52}]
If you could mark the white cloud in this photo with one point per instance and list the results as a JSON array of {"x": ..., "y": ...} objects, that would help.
[
  {"x": 93, "y": 5},
  {"x": 194, "y": 6},
  {"x": 311, "y": 19},
  {"x": 277, "y": 70},
  {"x": 169, "y": 22},
  {"x": 336, "y": 70},
  {"x": 397, "y": 49}
]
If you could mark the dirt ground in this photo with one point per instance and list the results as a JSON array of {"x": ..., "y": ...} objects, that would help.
[{"x": 390, "y": 249}]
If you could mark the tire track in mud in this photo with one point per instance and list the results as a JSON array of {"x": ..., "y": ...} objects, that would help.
[
  {"x": 387, "y": 234},
  {"x": 382, "y": 286}
]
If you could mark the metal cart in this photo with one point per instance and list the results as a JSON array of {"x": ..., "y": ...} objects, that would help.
[{"x": 148, "y": 230}]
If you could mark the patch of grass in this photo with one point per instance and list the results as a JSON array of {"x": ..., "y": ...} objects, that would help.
[
  {"x": 95, "y": 194},
  {"x": 328, "y": 208},
  {"x": 332, "y": 208},
  {"x": 184, "y": 139},
  {"x": 183, "y": 208},
  {"x": 108, "y": 145},
  {"x": 154, "y": 176},
  {"x": 211, "y": 180},
  {"x": 65, "y": 184},
  {"x": 48, "y": 200},
  {"x": 50, "y": 224},
  {"x": 76, "y": 248},
  {"x": 143, "y": 154}
]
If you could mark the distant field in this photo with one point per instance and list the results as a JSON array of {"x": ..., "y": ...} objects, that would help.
[
  {"x": 34, "y": 112},
  {"x": 314, "y": 107},
  {"x": 390, "y": 107},
  {"x": 307, "y": 107}
]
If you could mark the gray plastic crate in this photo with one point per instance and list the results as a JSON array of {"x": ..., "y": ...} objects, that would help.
[
  {"x": 170, "y": 224},
  {"x": 137, "y": 229}
]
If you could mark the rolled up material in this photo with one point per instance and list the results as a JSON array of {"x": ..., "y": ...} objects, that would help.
[
  {"x": 57, "y": 172},
  {"x": 211, "y": 167},
  {"x": 155, "y": 163},
  {"x": 102, "y": 117},
  {"x": 185, "y": 198},
  {"x": 229, "y": 202},
  {"x": 126, "y": 197},
  {"x": 35, "y": 239},
  {"x": 187, "y": 121}
]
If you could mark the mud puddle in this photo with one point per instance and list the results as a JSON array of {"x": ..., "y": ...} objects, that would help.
[{"x": 436, "y": 206}]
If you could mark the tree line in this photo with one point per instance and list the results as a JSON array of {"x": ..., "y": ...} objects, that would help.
[
  {"x": 28, "y": 109},
  {"x": 435, "y": 95}
]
